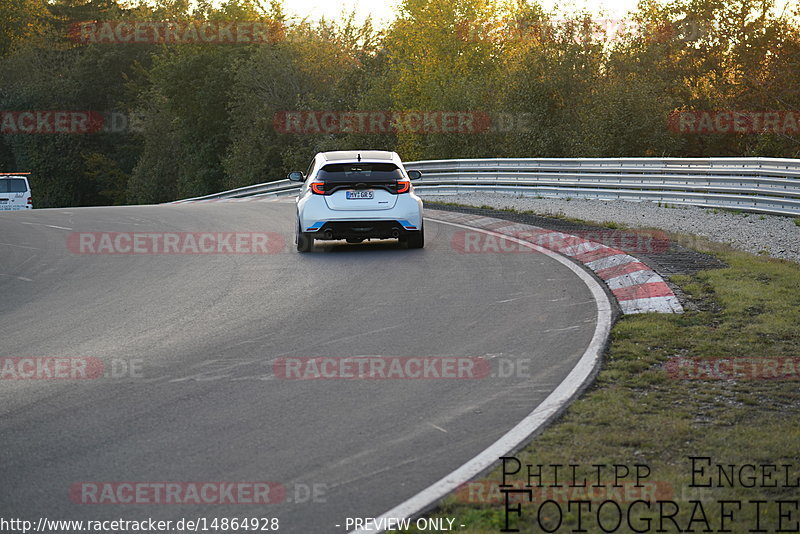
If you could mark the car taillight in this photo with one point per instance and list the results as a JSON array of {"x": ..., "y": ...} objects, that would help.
[
  {"x": 403, "y": 186},
  {"x": 30, "y": 202},
  {"x": 318, "y": 188}
]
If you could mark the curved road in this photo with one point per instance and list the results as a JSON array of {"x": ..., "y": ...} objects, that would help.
[{"x": 202, "y": 333}]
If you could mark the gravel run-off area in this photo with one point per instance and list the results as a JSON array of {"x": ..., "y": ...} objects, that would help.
[{"x": 773, "y": 235}]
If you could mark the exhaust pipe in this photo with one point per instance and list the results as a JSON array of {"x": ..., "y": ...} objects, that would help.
[
  {"x": 395, "y": 232},
  {"x": 328, "y": 234}
]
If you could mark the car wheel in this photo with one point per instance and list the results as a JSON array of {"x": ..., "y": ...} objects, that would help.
[
  {"x": 304, "y": 241},
  {"x": 416, "y": 239}
]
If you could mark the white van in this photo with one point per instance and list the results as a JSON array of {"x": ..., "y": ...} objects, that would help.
[{"x": 15, "y": 191}]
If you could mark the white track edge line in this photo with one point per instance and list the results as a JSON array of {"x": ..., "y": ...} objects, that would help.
[{"x": 552, "y": 406}]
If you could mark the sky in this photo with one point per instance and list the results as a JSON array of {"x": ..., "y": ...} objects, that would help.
[{"x": 382, "y": 11}]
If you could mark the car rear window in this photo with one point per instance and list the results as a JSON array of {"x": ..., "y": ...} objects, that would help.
[
  {"x": 13, "y": 185},
  {"x": 360, "y": 172}
]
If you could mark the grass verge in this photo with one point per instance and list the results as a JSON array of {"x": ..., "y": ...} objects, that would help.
[{"x": 641, "y": 410}]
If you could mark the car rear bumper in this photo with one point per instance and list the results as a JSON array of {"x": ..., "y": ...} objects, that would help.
[
  {"x": 361, "y": 229},
  {"x": 313, "y": 213}
]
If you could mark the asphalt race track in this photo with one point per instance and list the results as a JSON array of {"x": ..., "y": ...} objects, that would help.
[{"x": 191, "y": 340}]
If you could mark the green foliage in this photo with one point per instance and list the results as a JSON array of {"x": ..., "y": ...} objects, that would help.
[{"x": 21, "y": 21}]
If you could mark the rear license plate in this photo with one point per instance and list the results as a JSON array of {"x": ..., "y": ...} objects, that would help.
[{"x": 359, "y": 195}]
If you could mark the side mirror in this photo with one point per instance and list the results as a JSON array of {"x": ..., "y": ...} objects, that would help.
[
  {"x": 296, "y": 176},
  {"x": 414, "y": 175}
]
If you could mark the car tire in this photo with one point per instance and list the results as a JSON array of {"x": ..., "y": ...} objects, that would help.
[
  {"x": 304, "y": 241},
  {"x": 416, "y": 239}
]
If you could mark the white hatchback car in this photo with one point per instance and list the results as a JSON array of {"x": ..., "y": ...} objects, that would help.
[
  {"x": 357, "y": 195},
  {"x": 15, "y": 191}
]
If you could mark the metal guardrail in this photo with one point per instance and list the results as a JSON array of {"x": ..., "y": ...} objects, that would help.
[
  {"x": 762, "y": 185},
  {"x": 270, "y": 188}
]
